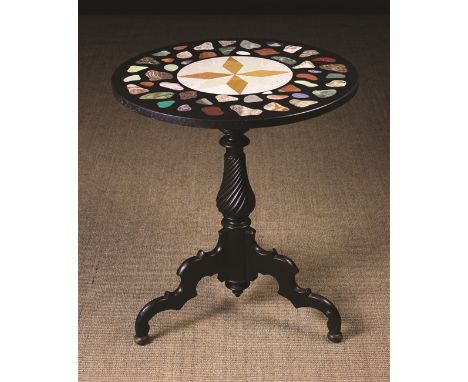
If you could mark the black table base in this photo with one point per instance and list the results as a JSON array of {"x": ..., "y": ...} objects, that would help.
[{"x": 237, "y": 259}]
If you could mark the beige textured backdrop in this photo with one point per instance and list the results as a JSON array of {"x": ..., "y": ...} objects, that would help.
[{"x": 147, "y": 192}]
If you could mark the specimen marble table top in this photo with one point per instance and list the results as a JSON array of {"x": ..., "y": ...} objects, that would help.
[{"x": 235, "y": 83}]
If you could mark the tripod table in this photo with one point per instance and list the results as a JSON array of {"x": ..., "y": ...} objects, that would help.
[{"x": 235, "y": 84}]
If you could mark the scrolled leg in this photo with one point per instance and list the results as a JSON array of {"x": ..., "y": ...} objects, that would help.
[
  {"x": 191, "y": 272},
  {"x": 284, "y": 270}
]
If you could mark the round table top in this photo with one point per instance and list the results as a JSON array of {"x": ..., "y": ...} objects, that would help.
[{"x": 234, "y": 83}]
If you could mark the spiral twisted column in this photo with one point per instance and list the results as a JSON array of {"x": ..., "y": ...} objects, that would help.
[{"x": 235, "y": 201}]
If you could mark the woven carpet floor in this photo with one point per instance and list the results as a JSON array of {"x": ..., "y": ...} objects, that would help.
[{"x": 147, "y": 202}]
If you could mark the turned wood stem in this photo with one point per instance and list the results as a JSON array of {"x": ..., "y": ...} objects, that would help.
[{"x": 236, "y": 199}]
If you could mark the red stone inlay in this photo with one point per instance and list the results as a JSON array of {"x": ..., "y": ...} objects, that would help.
[
  {"x": 289, "y": 89},
  {"x": 324, "y": 59},
  {"x": 212, "y": 111}
]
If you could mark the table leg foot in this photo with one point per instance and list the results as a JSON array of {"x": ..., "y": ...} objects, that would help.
[
  {"x": 335, "y": 337},
  {"x": 191, "y": 272},
  {"x": 142, "y": 340},
  {"x": 284, "y": 270}
]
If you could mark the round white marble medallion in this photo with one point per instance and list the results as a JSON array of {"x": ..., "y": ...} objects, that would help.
[{"x": 234, "y": 75}]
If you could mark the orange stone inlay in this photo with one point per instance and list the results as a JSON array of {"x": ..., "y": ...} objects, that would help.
[
  {"x": 207, "y": 55},
  {"x": 237, "y": 83},
  {"x": 266, "y": 52},
  {"x": 307, "y": 76},
  {"x": 180, "y": 47},
  {"x": 169, "y": 59},
  {"x": 263, "y": 73},
  {"x": 232, "y": 65},
  {"x": 207, "y": 75},
  {"x": 289, "y": 89},
  {"x": 277, "y": 96}
]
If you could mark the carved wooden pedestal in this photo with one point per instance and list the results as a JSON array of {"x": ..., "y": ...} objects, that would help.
[{"x": 237, "y": 259}]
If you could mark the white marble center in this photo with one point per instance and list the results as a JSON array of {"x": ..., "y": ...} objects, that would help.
[{"x": 234, "y": 75}]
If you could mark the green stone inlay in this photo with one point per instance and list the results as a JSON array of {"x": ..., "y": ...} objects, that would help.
[
  {"x": 304, "y": 65},
  {"x": 171, "y": 67},
  {"x": 226, "y": 50},
  {"x": 336, "y": 75},
  {"x": 162, "y": 53},
  {"x": 136, "y": 68},
  {"x": 284, "y": 60},
  {"x": 134, "y": 77},
  {"x": 164, "y": 104},
  {"x": 157, "y": 95},
  {"x": 204, "y": 101},
  {"x": 324, "y": 93}
]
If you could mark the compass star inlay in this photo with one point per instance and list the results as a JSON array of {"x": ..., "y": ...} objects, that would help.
[{"x": 234, "y": 75}]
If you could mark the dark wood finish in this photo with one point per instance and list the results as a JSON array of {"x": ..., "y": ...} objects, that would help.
[{"x": 237, "y": 258}]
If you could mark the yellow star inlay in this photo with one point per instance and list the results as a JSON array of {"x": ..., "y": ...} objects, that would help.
[{"x": 236, "y": 83}]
